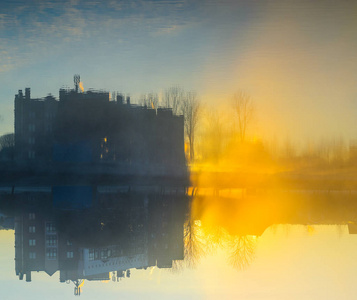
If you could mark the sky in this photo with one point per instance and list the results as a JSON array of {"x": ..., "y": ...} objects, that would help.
[{"x": 296, "y": 59}]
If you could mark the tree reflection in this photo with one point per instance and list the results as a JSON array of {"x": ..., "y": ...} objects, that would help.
[
  {"x": 203, "y": 235},
  {"x": 242, "y": 251},
  {"x": 194, "y": 242},
  {"x": 195, "y": 246},
  {"x": 200, "y": 241}
]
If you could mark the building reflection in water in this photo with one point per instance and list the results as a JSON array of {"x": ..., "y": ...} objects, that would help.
[
  {"x": 98, "y": 233},
  {"x": 103, "y": 233}
]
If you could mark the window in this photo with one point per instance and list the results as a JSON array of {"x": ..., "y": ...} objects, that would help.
[
  {"x": 69, "y": 254},
  {"x": 48, "y": 127},
  {"x": 32, "y": 255},
  {"x": 51, "y": 240},
  {"x": 91, "y": 254},
  {"x": 32, "y": 242},
  {"x": 48, "y": 115},
  {"x": 32, "y": 229},
  {"x": 31, "y": 140},
  {"x": 31, "y": 154},
  {"x": 69, "y": 243},
  {"x": 32, "y": 127},
  {"x": 51, "y": 253},
  {"x": 50, "y": 227},
  {"x": 32, "y": 216},
  {"x": 104, "y": 254}
]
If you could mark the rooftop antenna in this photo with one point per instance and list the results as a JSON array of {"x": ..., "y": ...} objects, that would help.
[
  {"x": 76, "y": 80},
  {"x": 78, "y": 283}
]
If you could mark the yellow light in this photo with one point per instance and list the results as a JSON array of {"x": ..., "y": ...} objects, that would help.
[{"x": 81, "y": 86}]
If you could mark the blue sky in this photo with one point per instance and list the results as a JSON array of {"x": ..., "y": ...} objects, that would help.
[{"x": 297, "y": 59}]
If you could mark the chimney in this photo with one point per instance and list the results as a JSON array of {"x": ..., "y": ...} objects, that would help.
[
  {"x": 20, "y": 94},
  {"x": 77, "y": 80},
  {"x": 128, "y": 100},
  {"x": 28, "y": 276},
  {"x": 120, "y": 99},
  {"x": 27, "y": 93}
]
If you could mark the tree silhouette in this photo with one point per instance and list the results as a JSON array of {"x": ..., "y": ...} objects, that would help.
[
  {"x": 150, "y": 100},
  {"x": 173, "y": 98},
  {"x": 244, "y": 109},
  {"x": 7, "y": 141},
  {"x": 7, "y": 146},
  {"x": 190, "y": 108},
  {"x": 213, "y": 136}
]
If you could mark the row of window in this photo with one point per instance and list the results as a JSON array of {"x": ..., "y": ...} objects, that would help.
[
  {"x": 48, "y": 115},
  {"x": 52, "y": 254},
  {"x": 32, "y": 128},
  {"x": 50, "y": 227},
  {"x": 51, "y": 240},
  {"x": 99, "y": 254}
]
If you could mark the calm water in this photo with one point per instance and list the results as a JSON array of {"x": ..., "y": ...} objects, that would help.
[{"x": 159, "y": 243}]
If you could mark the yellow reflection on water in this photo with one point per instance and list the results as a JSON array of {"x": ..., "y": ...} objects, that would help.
[{"x": 237, "y": 221}]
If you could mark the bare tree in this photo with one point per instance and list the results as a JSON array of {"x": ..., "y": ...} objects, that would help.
[
  {"x": 194, "y": 243},
  {"x": 190, "y": 108},
  {"x": 173, "y": 98},
  {"x": 213, "y": 136},
  {"x": 150, "y": 100},
  {"x": 7, "y": 141},
  {"x": 244, "y": 109},
  {"x": 7, "y": 146},
  {"x": 243, "y": 251}
]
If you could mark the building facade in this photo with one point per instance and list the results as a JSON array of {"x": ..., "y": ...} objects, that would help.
[{"x": 88, "y": 127}]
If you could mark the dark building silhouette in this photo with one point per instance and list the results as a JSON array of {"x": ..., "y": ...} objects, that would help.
[
  {"x": 34, "y": 120},
  {"x": 86, "y": 127},
  {"x": 121, "y": 231},
  {"x": 36, "y": 237}
]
